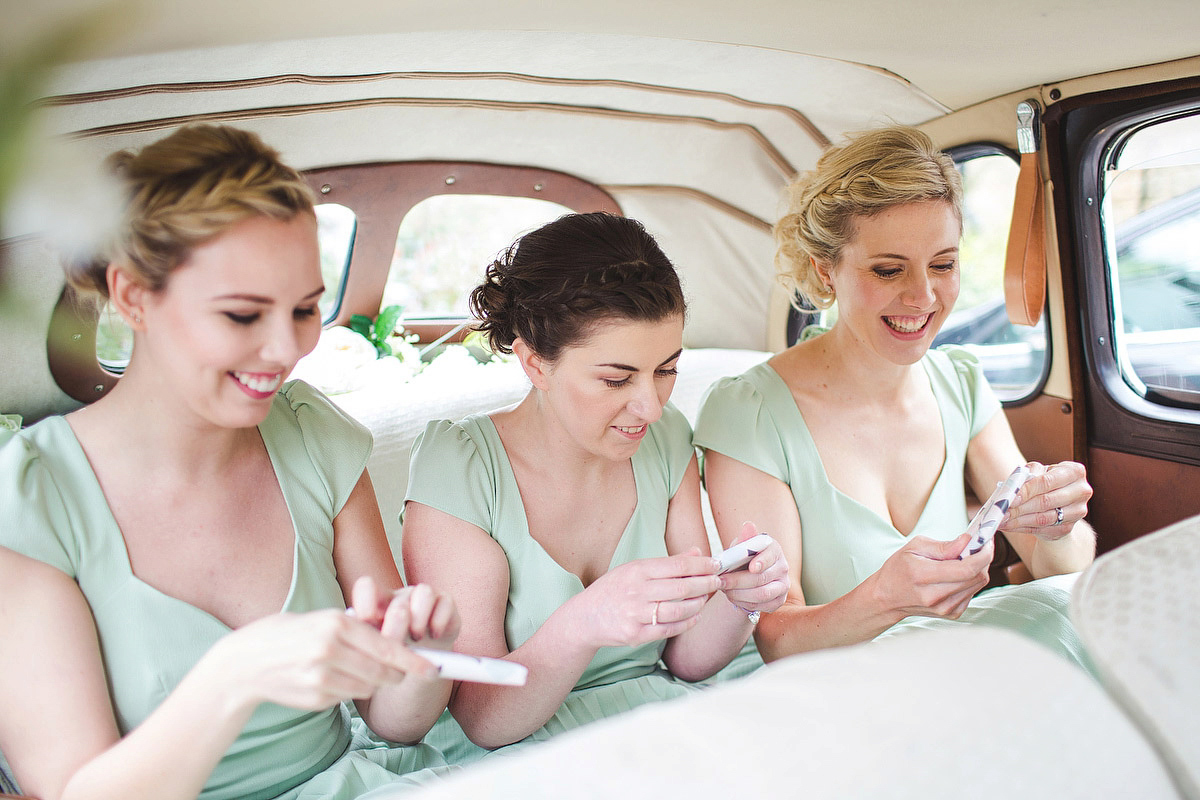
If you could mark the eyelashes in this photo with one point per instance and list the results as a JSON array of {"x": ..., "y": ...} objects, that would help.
[
  {"x": 658, "y": 373},
  {"x": 308, "y": 312}
]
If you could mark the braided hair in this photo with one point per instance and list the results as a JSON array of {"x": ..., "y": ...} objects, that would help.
[
  {"x": 185, "y": 190},
  {"x": 554, "y": 284},
  {"x": 875, "y": 170}
]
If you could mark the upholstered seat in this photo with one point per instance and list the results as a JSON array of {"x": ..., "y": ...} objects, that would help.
[{"x": 1137, "y": 609}]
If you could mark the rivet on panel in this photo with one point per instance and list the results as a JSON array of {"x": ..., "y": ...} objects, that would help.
[
  {"x": 326, "y": 189},
  {"x": 537, "y": 187},
  {"x": 451, "y": 180},
  {"x": 75, "y": 337},
  {"x": 99, "y": 387},
  {"x": 1065, "y": 408}
]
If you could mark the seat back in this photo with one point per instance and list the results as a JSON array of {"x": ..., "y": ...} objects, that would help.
[{"x": 1138, "y": 612}]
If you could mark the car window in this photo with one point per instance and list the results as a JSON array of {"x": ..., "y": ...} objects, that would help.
[
  {"x": 1151, "y": 217},
  {"x": 1013, "y": 356},
  {"x": 446, "y": 242},
  {"x": 335, "y": 235}
]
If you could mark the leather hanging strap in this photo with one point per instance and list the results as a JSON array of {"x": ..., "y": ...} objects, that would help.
[{"x": 1025, "y": 258}]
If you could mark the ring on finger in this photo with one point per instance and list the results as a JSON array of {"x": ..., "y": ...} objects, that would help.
[
  {"x": 654, "y": 614},
  {"x": 1059, "y": 516}
]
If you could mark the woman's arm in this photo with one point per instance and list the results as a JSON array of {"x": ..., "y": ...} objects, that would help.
[
  {"x": 723, "y": 627},
  {"x": 924, "y": 577},
  {"x": 1046, "y": 548},
  {"x": 461, "y": 559},
  {"x": 406, "y": 710},
  {"x": 457, "y": 557},
  {"x": 56, "y": 692}
]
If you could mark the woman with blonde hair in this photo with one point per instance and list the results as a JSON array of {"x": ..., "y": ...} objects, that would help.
[
  {"x": 851, "y": 447},
  {"x": 184, "y": 548}
]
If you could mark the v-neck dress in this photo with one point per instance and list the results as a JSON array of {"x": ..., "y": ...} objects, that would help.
[
  {"x": 52, "y": 509},
  {"x": 754, "y": 419},
  {"x": 462, "y": 469}
]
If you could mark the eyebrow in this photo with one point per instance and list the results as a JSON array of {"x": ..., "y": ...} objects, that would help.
[
  {"x": 257, "y": 298},
  {"x": 628, "y": 368},
  {"x": 899, "y": 257}
]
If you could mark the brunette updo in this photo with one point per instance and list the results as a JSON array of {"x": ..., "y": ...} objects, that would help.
[
  {"x": 183, "y": 191},
  {"x": 874, "y": 171},
  {"x": 554, "y": 284}
]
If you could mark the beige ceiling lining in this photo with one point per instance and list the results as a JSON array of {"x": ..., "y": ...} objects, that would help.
[
  {"x": 801, "y": 121},
  {"x": 696, "y": 194},
  {"x": 141, "y": 126}
]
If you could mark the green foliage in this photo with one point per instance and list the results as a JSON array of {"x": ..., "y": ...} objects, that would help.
[{"x": 379, "y": 331}]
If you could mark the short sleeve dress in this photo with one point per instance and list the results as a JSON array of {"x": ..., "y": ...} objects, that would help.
[
  {"x": 754, "y": 419},
  {"x": 52, "y": 509},
  {"x": 462, "y": 469}
]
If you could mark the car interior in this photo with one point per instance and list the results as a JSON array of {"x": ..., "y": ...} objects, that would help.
[{"x": 432, "y": 133}]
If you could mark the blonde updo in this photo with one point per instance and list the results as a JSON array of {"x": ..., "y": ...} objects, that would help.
[
  {"x": 183, "y": 191},
  {"x": 875, "y": 170}
]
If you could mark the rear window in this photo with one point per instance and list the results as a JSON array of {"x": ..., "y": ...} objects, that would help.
[{"x": 446, "y": 242}]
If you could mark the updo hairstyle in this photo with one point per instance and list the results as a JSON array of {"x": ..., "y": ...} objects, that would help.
[
  {"x": 552, "y": 286},
  {"x": 874, "y": 171},
  {"x": 183, "y": 191}
]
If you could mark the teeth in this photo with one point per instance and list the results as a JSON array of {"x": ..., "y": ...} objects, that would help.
[
  {"x": 637, "y": 429},
  {"x": 257, "y": 383},
  {"x": 907, "y": 324}
]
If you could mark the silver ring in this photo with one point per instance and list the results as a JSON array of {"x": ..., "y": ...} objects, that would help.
[
  {"x": 654, "y": 614},
  {"x": 1059, "y": 512}
]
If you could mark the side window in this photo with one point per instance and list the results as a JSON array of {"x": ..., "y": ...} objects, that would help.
[
  {"x": 1013, "y": 356},
  {"x": 1151, "y": 224},
  {"x": 446, "y": 242},
  {"x": 335, "y": 236}
]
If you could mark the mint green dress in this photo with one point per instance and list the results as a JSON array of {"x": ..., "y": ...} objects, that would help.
[
  {"x": 754, "y": 419},
  {"x": 52, "y": 509},
  {"x": 462, "y": 469}
]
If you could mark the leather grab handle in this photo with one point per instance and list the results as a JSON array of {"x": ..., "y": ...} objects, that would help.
[{"x": 1025, "y": 258}]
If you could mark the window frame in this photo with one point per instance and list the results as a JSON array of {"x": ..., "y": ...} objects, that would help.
[
  {"x": 967, "y": 152},
  {"x": 1080, "y": 132},
  {"x": 381, "y": 194}
]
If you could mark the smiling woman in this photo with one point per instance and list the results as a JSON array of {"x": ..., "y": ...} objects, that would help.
[
  {"x": 854, "y": 445},
  {"x": 574, "y": 541},
  {"x": 162, "y": 530}
]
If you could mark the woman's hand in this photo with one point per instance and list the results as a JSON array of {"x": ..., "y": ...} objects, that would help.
[
  {"x": 1050, "y": 502},
  {"x": 415, "y": 614},
  {"x": 310, "y": 661},
  {"x": 927, "y": 578},
  {"x": 645, "y": 600},
  {"x": 763, "y": 585}
]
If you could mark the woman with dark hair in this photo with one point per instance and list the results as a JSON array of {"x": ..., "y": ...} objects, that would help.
[{"x": 572, "y": 536}]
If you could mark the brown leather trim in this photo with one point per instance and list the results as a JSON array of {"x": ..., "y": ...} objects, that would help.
[
  {"x": 1043, "y": 428},
  {"x": 274, "y": 80},
  {"x": 704, "y": 197},
  {"x": 162, "y": 123},
  {"x": 1135, "y": 495},
  {"x": 381, "y": 194},
  {"x": 1025, "y": 255},
  {"x": 71, "y": 349}
]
